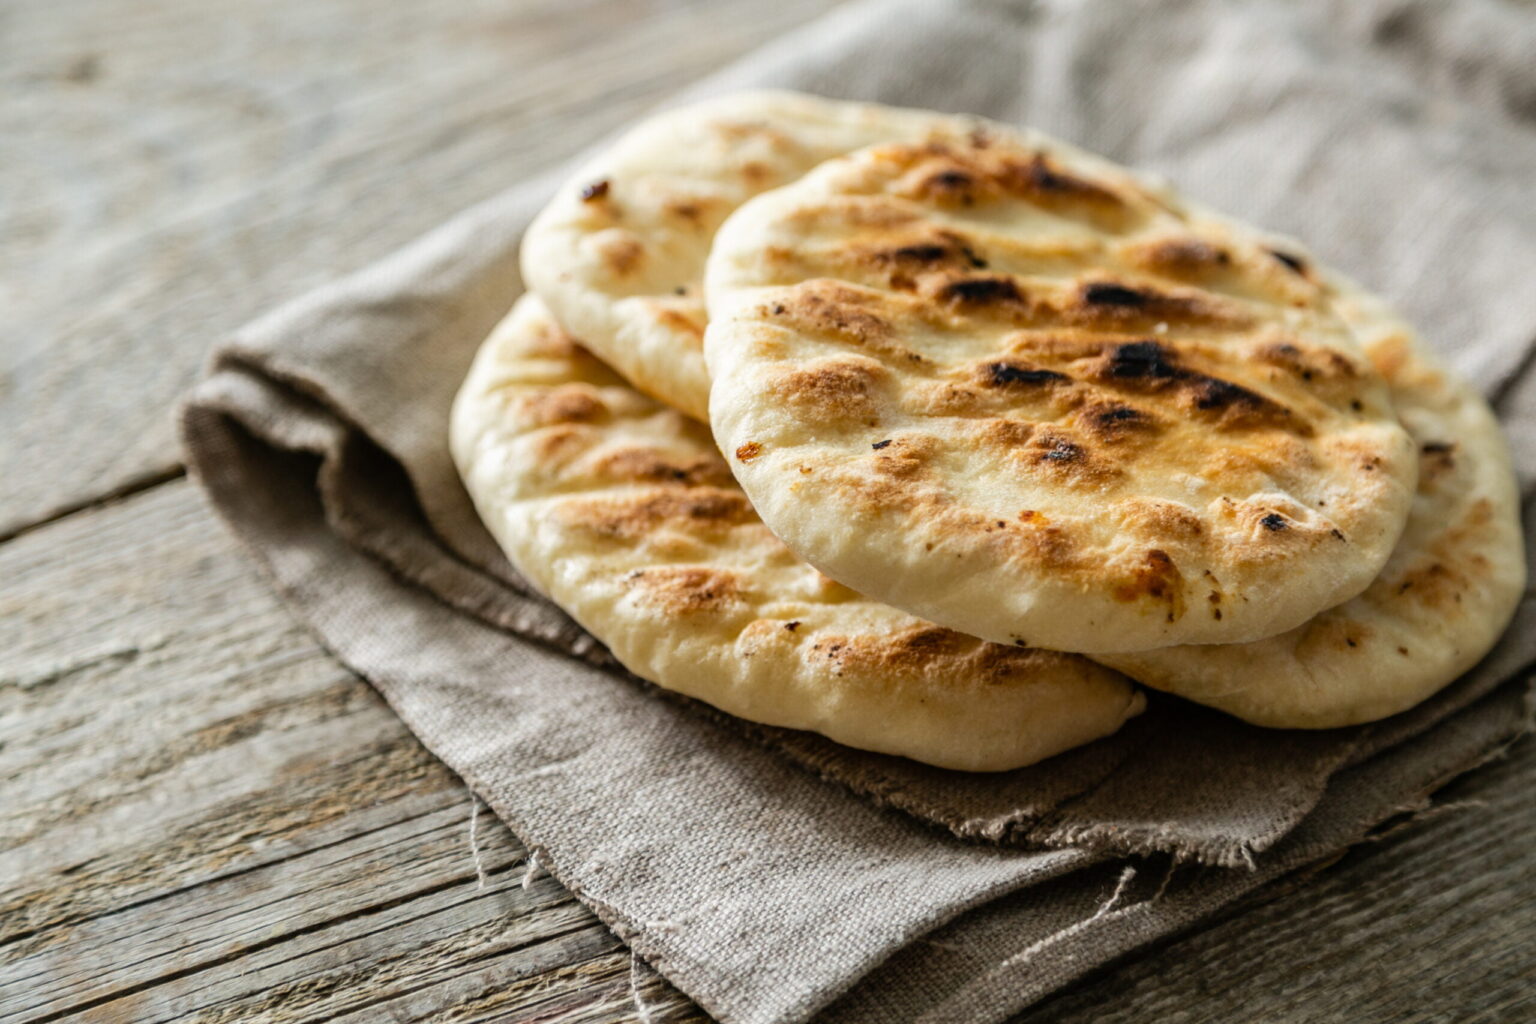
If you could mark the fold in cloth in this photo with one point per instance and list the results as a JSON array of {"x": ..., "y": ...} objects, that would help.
[{"x": 773, "y": 875}]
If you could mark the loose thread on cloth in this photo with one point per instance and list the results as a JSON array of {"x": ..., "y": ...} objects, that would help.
[
  {"x": 474, "y": 840},
  {"x": 1105, "y": 909},
  {"x": 1126, "y": 877},
  {"x": 532, "y": 871}
]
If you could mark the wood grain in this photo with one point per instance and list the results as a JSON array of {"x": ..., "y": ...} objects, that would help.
[
  {"x": 174, "y": 168},
  {"x": 205, "y": 818}
]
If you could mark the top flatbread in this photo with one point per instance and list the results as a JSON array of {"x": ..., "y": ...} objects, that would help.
[
  {"x": 618, "y": 255},
  {"x": 1010, "y": 388},
  {"x": 623, "y": 512},
  {"x": 1445, "y": 596}
]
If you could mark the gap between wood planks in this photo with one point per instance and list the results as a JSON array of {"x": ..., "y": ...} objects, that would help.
[{"x": 127, "y": 489}]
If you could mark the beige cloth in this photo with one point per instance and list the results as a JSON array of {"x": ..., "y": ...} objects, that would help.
[{"x": 1398, "y": 139}]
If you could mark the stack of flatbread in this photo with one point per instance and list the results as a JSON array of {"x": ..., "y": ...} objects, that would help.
[{"x": 941, "y": 438}]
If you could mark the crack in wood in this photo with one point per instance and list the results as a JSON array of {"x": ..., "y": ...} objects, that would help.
[{"x": 134, "y": 485}]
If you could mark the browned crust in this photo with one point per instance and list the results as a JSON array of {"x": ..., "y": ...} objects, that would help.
[
  {"x": 621, "y": 254},
  {"x": 685, "y": 590},
  {"x": 647, "y": 465},
  {"x": 1137, "y": 341},
  {"x": 681, "y": 323},
  {"x": 825, "y": 309},
  {"x": 631, "y": 518},
  {"x": 929, "y": 652},
  {"x": 841, "y": 390},
  {"x": 567, "y": 403},
  {"x": 952, "y": 174}
]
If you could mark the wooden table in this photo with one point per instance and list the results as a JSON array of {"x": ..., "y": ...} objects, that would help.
[{"x": 203, "y": 816}]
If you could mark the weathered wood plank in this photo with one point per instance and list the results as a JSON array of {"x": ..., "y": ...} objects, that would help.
[
  {"x": 194, "y": 786},
  {"x": 176, "y": 167},
  {"x": 204, "y": 817},
  {"x": 149, "y": 681}
]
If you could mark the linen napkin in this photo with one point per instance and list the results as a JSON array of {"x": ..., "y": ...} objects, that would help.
[{"x": 773, "y": 875}]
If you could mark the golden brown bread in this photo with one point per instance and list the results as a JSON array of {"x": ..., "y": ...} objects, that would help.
[
  {"x": 623, "y": 513},
  {"x": 1013, "y": 389},
  {"x": 618, "y": 254}
]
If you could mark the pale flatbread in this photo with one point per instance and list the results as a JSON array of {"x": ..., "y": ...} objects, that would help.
[
  {"x": 618, "y": 255},
  {"x": 1445, "y": 596},
  {"x": 623, "y": 513},
  {"x": 1013, "y": 389}
]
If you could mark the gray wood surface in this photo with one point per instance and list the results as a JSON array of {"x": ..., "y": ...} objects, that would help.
[
  {"x": 172, "y": 168},
  {"x": 203, "y": 816}
]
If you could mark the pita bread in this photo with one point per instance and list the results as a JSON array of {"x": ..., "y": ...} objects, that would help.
[
  {"x": 1445, "y": 596},
  {"x": 623, "y": 513},
  {"x": 1012, "y": 389},
  {"x": 618, "y": 255}
]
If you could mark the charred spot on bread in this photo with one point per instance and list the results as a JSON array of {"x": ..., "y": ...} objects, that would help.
[
  {"x": 981, "y": 291},
  {"x": 929, "y": 253},
  {"x": 1107, "y": 293},
  {"x": 1067, "y": 458},
  {"x": 1041, "y": 177},
  {"x": 1142, "y": 360},
  {"x": 1154, "y": 367},
  {"x": 1107, "y": 303},
  {"x": 1062, "y": 450},
  {"x": 936, "y": 252},
  {"x": 950, "y": 183},
  {"x": 1216, "y": 393},
  {"x": 1111, "y": 421},
  {"x": 1004, "y": 374}
]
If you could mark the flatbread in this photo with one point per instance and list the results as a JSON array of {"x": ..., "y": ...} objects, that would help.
[
  {"x": 1446, "y": 594},
  {"x": 1013, "y": 389},
  {"x": 618, "y": 255},
  {"x": 624, "y": 514}
]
